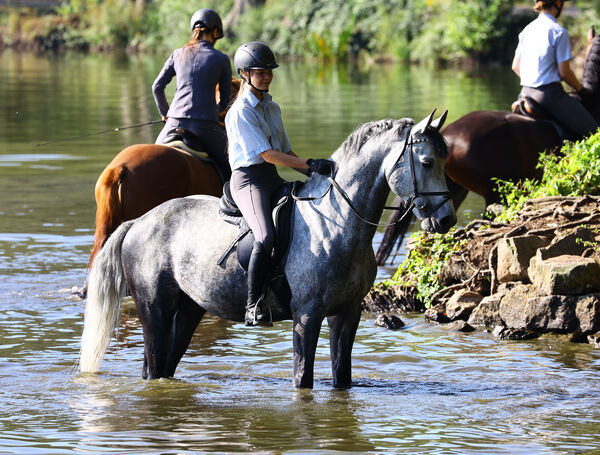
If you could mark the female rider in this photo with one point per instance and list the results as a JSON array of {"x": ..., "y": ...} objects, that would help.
[
  {"x": 542, "y": 62},
  {"x": 199, "y": 67},
  {"x": 257, "y": 142}
]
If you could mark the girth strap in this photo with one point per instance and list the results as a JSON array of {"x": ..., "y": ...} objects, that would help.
[{"x": 235, "y": 241}]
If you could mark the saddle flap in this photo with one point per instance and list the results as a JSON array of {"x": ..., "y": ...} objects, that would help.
[
  {"x": 227, "y": 206},
  {"x": 282, "y": 221}
]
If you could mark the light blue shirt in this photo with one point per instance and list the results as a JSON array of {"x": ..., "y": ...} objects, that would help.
[
  {"x": 543, "y": 44},
  {"x": 254, "y": 126}
]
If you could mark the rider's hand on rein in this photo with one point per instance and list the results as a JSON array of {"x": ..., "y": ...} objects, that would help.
[{"x": 320, "y": 166}]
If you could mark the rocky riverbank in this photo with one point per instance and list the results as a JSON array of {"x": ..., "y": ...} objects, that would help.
[{"x": 539, "y": 273}]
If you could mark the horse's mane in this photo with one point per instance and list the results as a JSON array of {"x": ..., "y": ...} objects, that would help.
[
  {"x": 591, "y": 72},
  {"x": 362, "y": 133},
  {"x": 366, "y": 131}
]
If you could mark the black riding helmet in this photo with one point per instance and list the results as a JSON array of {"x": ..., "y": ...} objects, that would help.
[
  {"x": 551, "y": 3},
  {"x": 207, "y": 18},
  {"x": 251, "y": 56}
]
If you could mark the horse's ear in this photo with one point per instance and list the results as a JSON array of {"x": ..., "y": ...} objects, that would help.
[
  {"x": 420, "y": 127},
  {"x": 439, "y": 122},
  {"x": 591, "y": 33}
]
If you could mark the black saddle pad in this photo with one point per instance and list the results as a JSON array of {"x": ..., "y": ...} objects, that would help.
[
  {"x": 536, "y": 111},
  {"x": 283, "y": 205}
]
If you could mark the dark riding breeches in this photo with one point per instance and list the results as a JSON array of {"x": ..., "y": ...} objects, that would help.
[
  {"x": 211, "y": 135},
  {"x": 567, "y": 110},
  {"x": 252, "y": 189}
]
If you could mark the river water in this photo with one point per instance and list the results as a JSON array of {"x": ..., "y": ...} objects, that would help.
[{"x": 421, "y": 389}]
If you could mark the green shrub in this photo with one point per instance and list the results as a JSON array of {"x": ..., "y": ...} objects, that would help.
[
  {"x": 575, "y": 171},
  {"x": 425, "y": 260}
]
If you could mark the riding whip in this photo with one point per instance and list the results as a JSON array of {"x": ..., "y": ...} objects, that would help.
[{"x": 112, "y": 130}]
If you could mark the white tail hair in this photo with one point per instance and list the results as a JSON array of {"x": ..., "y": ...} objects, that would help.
[{"x": 106, "y": 288}]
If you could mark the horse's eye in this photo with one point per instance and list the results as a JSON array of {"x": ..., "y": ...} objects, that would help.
[{"x": 426, "y": 161}]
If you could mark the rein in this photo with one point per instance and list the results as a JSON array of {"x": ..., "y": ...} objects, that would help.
[{"x": 407, "y": 207}]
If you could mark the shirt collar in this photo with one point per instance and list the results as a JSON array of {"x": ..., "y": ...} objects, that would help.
[
  {"x": 253, "y": 100},
  {"x": 549, "y": 16},
  {"x": 205, "y": 43}
]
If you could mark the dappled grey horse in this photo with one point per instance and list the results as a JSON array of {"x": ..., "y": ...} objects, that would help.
[{"x": 167, "y": 259}]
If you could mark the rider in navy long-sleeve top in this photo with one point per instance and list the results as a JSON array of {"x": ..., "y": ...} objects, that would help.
[{"x": 198, "y": 68}]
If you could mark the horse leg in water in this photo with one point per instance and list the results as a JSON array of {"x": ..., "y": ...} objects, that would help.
[
  {"x": 342, "y": 330},
  {"x": 307, "y": 326},
  {"x": 167, "y": 329}
]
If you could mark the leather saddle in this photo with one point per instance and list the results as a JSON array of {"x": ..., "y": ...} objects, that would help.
[
  {"x": 529, "y": 107},
  {"x": 187, "y": 141},
  {"x": 283, "y": 205}
]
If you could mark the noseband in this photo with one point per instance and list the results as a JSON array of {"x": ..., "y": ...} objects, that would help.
[
  {"x": 410, "y": 203},
  {"x": 416, "y": 193}
]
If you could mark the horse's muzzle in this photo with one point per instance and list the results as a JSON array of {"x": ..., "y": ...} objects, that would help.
[{"x": 439, "y": 225}]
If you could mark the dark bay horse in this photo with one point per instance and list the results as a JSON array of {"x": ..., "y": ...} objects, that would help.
[
  {"x": 142, "y": 176},
  {"x": 488, "y": 145},
  {"x": 169, "y": 258}
]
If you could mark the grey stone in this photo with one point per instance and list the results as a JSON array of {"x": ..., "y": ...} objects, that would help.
[
  {"x": 389, "y": 321},
  {"x": 461, "y": 304},
  {"x": 571, "y": 243},
  {"x": 587, "y": 312},
  {"x": 437, "y": 313},
  {"x": 460, "y": 326},
  {"x": 505, "y": 333},
  {"x": 486, "y": 314},
  {"x": 514, "y": 254},
  {"x": 512, "y": 306},
  {"x": 522, "y": 308},
  {"x": 565, "y": 275}
]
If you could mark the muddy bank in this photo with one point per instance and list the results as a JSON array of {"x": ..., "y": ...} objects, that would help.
[{"x": 539, "y": 273}]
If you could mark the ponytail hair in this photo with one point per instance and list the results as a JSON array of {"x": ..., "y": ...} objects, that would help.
[
  {"x": 197, "y": 34},
  {"x": 541, "y": 5}
]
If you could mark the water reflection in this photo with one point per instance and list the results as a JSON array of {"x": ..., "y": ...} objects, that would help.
[
  {"x": 169, "y": 414},
  {"x": 418, "y": 390}
]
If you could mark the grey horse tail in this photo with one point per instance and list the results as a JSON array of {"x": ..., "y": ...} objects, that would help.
[{"x": 106, "y": 287}]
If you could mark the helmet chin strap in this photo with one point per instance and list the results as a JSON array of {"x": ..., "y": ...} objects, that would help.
[
  {"x": 559, "y": 8},
  {"x": 249, "y": 81}
]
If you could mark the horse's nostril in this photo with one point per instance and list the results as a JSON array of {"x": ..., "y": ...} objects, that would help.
[
  {"x": 426, "y": 161},
  {"x": 420, "y": 203}
]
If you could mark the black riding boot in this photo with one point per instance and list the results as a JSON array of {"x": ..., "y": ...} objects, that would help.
[{"x": 257, "y": 311}]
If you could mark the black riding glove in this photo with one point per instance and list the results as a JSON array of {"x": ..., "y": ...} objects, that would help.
[{"x": 320, "y": 166}]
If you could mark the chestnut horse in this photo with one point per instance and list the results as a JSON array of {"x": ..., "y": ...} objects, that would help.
[
  {"x": 143, "y": 176},
  {"x": 487, "y": 145}
]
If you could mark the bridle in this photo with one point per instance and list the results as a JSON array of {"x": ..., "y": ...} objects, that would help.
[{"x": 416, "y": 199}]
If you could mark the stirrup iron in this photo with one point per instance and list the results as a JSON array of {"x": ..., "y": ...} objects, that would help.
[{"x": 251, "y": 318}]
